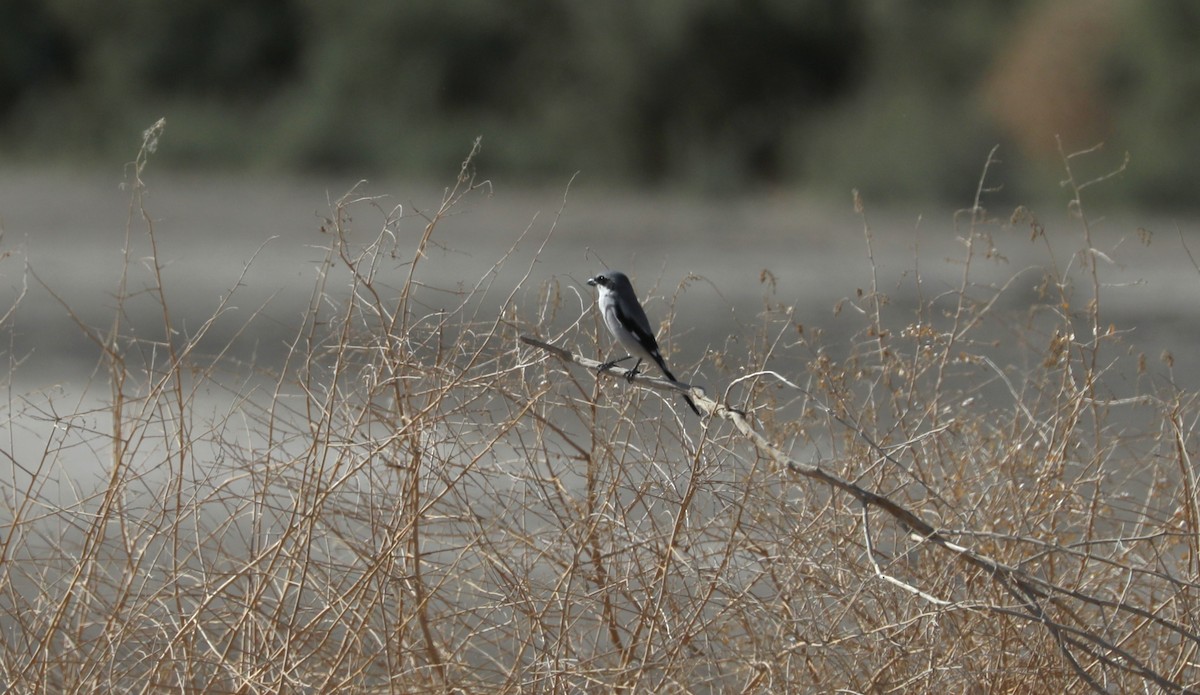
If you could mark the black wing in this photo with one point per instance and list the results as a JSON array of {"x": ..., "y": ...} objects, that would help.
[
  {"x": 636, "y": 323},
  {"x": 639, "y": 326}
]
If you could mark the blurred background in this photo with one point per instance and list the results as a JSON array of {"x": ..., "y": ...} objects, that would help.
[
  {"x": 709, "y": 148},
  {"x": 900, "y": 100}
]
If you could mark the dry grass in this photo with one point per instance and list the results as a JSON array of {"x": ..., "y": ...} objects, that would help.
[{"x": 417, "y": 501}]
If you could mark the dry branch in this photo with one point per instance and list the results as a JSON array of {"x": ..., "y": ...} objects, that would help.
[{"x": 1030, "y": 592}]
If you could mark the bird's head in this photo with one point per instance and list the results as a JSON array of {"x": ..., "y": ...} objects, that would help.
[{"x": 610, "y": 280}]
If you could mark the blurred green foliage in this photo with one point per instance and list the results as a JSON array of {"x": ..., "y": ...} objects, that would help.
[{"x": 901, "y": 100}]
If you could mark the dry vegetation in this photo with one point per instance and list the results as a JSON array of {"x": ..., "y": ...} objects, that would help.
[{"x": 419, "y": 501}]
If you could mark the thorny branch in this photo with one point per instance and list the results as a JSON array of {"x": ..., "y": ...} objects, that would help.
[{"x": 1031, "y": 593}]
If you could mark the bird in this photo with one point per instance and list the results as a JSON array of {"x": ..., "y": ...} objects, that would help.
[{"x": 627, "y": 322}]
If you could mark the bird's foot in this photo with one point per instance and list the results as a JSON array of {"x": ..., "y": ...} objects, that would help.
[{"x": 604, "y": 367}]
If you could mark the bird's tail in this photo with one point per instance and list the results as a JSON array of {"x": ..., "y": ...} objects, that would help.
[{"x": 662, "y": 364}]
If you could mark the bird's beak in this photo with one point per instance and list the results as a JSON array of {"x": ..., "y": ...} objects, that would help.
[{"x": 592, "y": 282}]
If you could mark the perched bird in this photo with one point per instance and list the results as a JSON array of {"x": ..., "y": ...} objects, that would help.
[{"x": 626, "y": 320}]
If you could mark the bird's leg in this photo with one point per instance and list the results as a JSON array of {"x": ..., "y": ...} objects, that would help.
[
  {"x": 633, "y": 372},
  {"x": 612, "y": 363}
]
